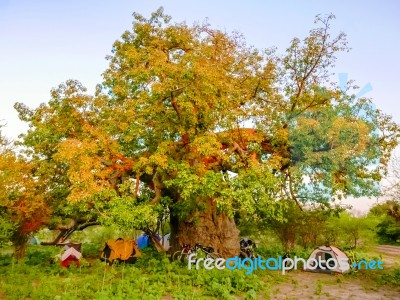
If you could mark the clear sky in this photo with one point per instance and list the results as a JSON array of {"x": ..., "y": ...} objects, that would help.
[{"x": 44, "y": 42}]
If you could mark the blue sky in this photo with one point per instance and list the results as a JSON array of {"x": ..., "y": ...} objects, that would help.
[{"x": 44, "y": 43}]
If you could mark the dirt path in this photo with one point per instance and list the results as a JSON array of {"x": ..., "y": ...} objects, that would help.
[
  {"x": 390, "y": 255},
  {"x": 389, "y": 250},
  {"x": 306, "y": 285}
]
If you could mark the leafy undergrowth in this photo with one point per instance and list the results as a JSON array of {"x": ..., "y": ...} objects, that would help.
[
  {"x": 153, "y": 276},
  {"x": 276, "y": 251},
  {"x": 375, "y": 279},
  {"x": 391, "y": 277}
]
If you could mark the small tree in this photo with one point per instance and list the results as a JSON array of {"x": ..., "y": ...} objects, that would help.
[
  {"x": 354, "y": 230},
  {"x": 22, "y": 204},
  {"x": 388, "y": 229}
]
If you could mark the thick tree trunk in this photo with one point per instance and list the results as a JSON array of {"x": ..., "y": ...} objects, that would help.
[
  {"x": 20, "y": 243},
  {"x": 288, "y": 239},
  {"x": 208, "y": 228}
]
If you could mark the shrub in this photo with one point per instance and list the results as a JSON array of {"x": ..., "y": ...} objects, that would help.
[
  {"x": 392, "y": 277},
  {"x": 39, "y": 255}
]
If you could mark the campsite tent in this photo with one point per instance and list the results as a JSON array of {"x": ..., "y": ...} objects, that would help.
[
  {"x": 165, "y": 241},
  {"x": 120, "y": 249},
  {"x": 144, "y": 240},
  {"x": 34, "y": 240},
  {"x": 70, "y": 256},
  {"x": 328, "y": 259}
]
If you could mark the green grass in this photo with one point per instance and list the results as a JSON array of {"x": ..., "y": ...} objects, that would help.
[
  {"x": 390, "y": 277},
  {"x": 318, "y": 288},
  {"x": 152, "y": 277}
]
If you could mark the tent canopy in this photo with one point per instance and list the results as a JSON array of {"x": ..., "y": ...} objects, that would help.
[
  {"x": 71, "y": 252},
  {"x": 120, "y": 249},
  {"x": 144, "y": 240},
  {"x": 328, "y": 259}
]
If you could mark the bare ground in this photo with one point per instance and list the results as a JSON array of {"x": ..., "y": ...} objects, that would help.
[
  {"x": 306, "y": 285},
  {"x": 390, "y": 255}
]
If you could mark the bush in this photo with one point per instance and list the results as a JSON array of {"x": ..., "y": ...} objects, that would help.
[
  {"x": 267, "y": 252},
  {"x": 90, "y": 250},
  {"x": 388, "y": 231},
  {"x": 392, "y": 277},
  {"x": 6, "y": 260},
  {"x": 40, "y": 255},
  {"x": 6, "y": 230},
  {"x": 356, "y": 255}
]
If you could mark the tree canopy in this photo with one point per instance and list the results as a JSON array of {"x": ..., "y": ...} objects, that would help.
[
  {"x": 191, "y": 120},
  {"x": 23, "y": 208}
]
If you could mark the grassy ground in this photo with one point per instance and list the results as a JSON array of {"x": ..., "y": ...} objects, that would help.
[
  {"x": 152, "y": 277},
  {"x": 155, "y": 277}
]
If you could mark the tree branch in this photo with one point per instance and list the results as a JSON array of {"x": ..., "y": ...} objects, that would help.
[
  {"x": 65, "y": 232},
  {"x": 292, "y": 194}
]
